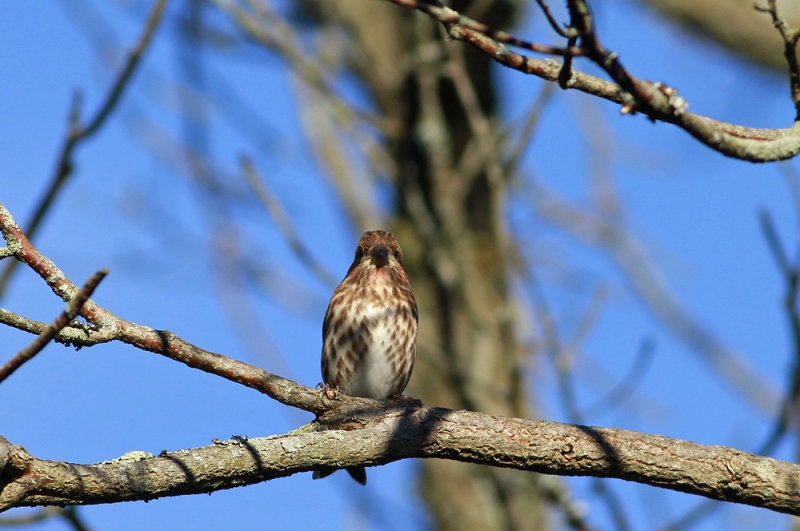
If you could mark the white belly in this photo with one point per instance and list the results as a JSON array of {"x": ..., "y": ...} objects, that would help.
[{"x": 374, "y": 376}]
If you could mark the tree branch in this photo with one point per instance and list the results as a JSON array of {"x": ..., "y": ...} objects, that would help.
[
  {"x": 368, "y": 432},
  {"x": 70, "y": 312},
  {"x": 790, "y": 36},
  {"x": 356, "y": 431},
  {"x": 655, "y": 100},
  {"x": 109, "y": 327}
]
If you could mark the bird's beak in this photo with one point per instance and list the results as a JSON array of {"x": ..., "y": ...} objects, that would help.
[{"x": 380, "y": 255}]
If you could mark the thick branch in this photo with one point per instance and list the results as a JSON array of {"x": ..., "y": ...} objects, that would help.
[
  {"x": 361, "y": 432},
  {"x": 368, "y": 434}
]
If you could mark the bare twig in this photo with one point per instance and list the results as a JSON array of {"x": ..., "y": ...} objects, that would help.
[
  {"x": 565, "y": 74},
  {"x": 525, "y": 136},
  {"x": 451, "y": 19},
  {"x": 355, "y": 186},
  {"x": 70, "y": 312},
  {"x": 625, "y": 386},
  {"x": 486, "y": 138},
  {"x": 568, "y": 32},
  {"x": 559, "y": 495},
  {"x": 791, "y": 275},
  {"x": 78, "y": 133},
  {"x": 790, "y": 37},
  {"x": 647, "y": 284},
  {"x": 281, "y": 219},
  {"x": 263, "y": 24},
  {"x": 69, "y": 514}
]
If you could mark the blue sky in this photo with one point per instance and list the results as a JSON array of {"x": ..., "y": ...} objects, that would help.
[{"x": 695, "y": 211}]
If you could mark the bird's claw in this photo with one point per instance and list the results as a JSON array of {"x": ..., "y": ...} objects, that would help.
[
  {"x": 330, "y": 392},
  {"x": 405, "y": 400}
]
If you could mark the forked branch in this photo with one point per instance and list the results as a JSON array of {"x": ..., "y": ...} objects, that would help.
[{"x": 656, "y": 100}]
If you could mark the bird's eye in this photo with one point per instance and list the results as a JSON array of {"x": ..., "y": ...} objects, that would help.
[
  {"x": 359, "y": 252},
  {"x": 397, "y": 255}
]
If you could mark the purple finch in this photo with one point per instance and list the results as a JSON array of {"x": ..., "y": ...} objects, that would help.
[{"x": 369, "y": 336}]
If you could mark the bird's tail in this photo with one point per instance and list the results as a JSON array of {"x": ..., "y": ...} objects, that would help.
[{"x": 358, "y": 473}]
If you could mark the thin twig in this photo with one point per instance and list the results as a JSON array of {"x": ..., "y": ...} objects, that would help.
[
  {"x": 568, "y": 32},
  {"x": 791, "y": 276},
  {"x": 452, "y": 18},
  {"x": 627, "y": 384},
  {"x": 68, "y": 513},
  {"x": 525, "y": 136},
  {"x": 566, "y": 69},
  {"x": 281, "y": 219},
  {"x": 77, "y": 133},
  {"x": 647, "y": 283},
  {"x": 556, "y": 492},
  {"x": 72, "y": 310},
  {"x": 790, "y": 37},
  {"x": 486, "y": 138},
  {"x": 773, "y": 242}
]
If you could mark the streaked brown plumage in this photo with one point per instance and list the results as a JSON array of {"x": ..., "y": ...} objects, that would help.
[{"x": 369, "y": 336}]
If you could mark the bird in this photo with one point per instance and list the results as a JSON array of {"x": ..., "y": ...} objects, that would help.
[{"x": 369, "y": 334}]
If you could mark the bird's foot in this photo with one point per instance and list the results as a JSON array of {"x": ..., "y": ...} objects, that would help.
[
  {"x": 405, "y": 400},
  {"x": 330, "y": 392}
]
